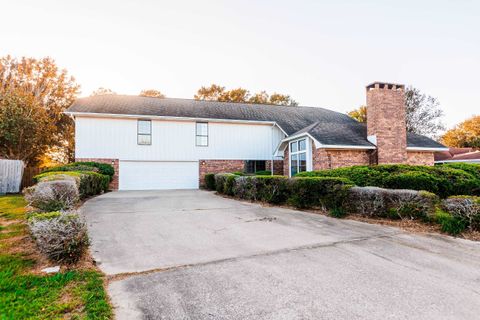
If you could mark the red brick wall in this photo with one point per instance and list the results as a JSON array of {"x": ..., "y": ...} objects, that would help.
[
  {"x": 386, "y": 120},
  {"x": 277, "y": 167},
  {"x": 218, "y": 166},
  {"x": 114, "y": 183},
  {"x": 331, "y": 159},
  {"x": 420, "y": 158}
]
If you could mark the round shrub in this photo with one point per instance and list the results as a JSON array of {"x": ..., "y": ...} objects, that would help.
[
  {"x": 464, "y": 208},
  {"x": 62, "y": 238},
  {"x": 53, "y": 195},
  {"x": 210, "y": 181}
]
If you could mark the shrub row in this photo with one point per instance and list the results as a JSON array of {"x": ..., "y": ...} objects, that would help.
[
  {"x": 89, "y": 183},
  {"x": 315, "y": 192},
  {"x": 443, "y": 180},
  {"x": 102, "y": 168}
]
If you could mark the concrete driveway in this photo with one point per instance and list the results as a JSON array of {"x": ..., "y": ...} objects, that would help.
[{"x": 190, "y": 254}]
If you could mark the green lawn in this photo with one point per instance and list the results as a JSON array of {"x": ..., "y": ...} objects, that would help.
[{"x": 75, "y": 294}]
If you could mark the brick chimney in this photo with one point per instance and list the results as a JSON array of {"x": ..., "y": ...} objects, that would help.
[{"x": 386, "y": 127}]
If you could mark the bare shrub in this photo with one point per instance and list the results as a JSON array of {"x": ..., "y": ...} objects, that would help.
[
  {"x": 466, "y": 208},
  {"x": 392, "y": 203},
  {"x": 53, "y": 195},
  {"x": 62, "y": 238}
]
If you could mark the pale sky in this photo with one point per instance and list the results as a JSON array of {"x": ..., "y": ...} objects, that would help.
[{"x": 322, "y": 53}]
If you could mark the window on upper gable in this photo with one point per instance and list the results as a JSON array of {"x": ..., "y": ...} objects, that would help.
[
  {"x": 144, "y": 132},
  {"x": 201, "y": 134}
]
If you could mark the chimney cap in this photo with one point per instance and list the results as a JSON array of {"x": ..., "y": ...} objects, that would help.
[{"x": 385, "y": 85}]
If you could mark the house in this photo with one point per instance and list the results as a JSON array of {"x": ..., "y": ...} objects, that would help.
[
  {"x": 467, "y": 155},
  {"x": 157, "y": 143}
]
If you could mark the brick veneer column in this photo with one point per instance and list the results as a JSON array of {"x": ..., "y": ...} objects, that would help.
[
  {"x": 278, "y": 167},
  {"x": 218, "y": 166},
  {"x": 386, "y": 121},
  {"x": 114, "y": 162}
]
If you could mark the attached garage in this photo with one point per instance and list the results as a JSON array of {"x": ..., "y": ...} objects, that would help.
[{"x": 158, "y": 175}]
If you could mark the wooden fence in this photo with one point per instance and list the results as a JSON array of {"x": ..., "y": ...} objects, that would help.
[
  {"x": 28, "y": 174},
  {"x": 11, "y": 172}
]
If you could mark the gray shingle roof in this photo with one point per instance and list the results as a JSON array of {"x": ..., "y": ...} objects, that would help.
[{"x": 327, "y": 126}]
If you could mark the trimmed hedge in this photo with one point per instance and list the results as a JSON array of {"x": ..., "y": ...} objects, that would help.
[
  {"x": 102, "y": 168},
  {"x": 326, "y": 192},
  {"x": 443, "y": 180},
  {"x": 224, "y": 183},
  {"x": 210, "y": 181},
  {"x": 89, "y": 183},
  {"x": 271, "y": 189},
  {"x": 314, "y": 192},
  {"x": 464, "y": 208},
  {"x": 391, "y": 203}
]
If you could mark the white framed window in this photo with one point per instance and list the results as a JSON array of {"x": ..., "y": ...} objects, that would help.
[
  {"x": 298, "y": 156},
  {"x": 144, "y": 132},
  {"x": 201, "y": 134}
]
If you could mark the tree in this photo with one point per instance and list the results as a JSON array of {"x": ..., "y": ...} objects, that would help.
[
  {"x": 218, "y": 93},
  {"x": 359, "y": 114},
  {"x": 212, "y": 93},
  {"x": 423, "y": 113},
  {"x": 466, "y": 134},
  {"x": 259, "y": 98},
  {"x": 33, "y": 95},
  {"x": 152, "y": 93},
  {"x": 282, "y": 100},
  {"x": 102, "y": 91}
]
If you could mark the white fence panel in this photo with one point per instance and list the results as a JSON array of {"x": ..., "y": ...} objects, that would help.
[{"x": 11, "y": 172}]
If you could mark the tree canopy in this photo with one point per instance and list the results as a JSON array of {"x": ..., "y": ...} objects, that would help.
[
  {"x": 359, "y": 114},
  {"x": 465, "y": 134},
  {"x": 423, "y": 113},
  {"x": 33, "y": 95},
  {"x": 151, "y": 93},
  {"x": 215, "y": 92}
]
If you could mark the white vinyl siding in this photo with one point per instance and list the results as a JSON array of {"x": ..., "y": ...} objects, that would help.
[{"x": 116, "y": 138}]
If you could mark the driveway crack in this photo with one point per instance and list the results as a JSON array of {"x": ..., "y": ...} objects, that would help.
[{"x": 122, "y": 276}]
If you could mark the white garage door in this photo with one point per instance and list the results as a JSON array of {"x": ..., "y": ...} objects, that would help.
[{"x": 158, "y": 175}]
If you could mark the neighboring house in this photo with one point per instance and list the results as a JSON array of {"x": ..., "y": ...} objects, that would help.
[
  {"x": 468, "y": 155},
  {"x": 157, "y": 143}
]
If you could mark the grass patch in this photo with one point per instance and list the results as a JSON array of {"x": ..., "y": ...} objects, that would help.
[
  {"x": 12, "y": 207},
  {"x": 73, "y": 294}
]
